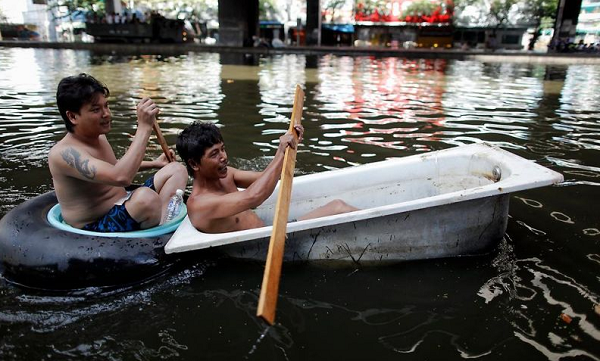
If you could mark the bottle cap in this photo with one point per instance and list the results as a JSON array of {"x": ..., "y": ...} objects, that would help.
[{"x": 179, "y": 192}]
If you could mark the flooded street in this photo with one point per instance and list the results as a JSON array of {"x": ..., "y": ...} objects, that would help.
[{"x": 533, "y": 298}]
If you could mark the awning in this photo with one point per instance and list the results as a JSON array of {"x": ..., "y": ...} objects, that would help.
[
  {"x": 270, "y": 24},
  {"x": 340, "y": 28}
]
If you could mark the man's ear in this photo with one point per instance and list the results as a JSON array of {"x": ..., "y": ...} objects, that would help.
[
  {"x": 193, "y": 164},
  {"x": 72, "y": 116}
]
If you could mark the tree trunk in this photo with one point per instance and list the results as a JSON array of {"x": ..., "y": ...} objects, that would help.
[{"x": 534, "y": 38}]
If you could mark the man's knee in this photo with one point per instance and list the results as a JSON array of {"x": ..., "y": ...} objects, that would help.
[
  {"x": 144, "y": 205},
  {"x": 175, "y": 169},
  {"x": 174, "y": 174},
  {"x": 338, "y": 206}
]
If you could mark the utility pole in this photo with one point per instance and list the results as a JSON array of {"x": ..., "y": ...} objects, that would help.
[{"x": 112, "y": 6}]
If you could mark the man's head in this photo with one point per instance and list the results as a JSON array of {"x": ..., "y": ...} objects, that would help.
[
  {"x": 194, "y": 140},
  {"x": 75, "y": 91}
]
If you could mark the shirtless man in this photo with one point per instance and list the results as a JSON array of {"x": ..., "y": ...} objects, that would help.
[
  {"x": 89, "y": 180},
  {"x": 216, "y": 205}
]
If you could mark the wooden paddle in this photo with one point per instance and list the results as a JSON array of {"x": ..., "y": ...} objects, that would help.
[
  {"x": 162, "y": 141},
  {"x": 267, "y": 302}
]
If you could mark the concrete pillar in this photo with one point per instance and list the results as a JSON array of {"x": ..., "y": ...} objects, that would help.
[
  {"x": 238, "y": 22},
  {"x": 112, "y": 6},
  {"x": 313, "y": 22},
  {"x": 567, "y": 15}
]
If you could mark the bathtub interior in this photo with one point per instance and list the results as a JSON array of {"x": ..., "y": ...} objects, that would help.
[{"x": 454, "y": 172}]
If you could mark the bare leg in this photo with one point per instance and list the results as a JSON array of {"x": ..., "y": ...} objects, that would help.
[
  {"x": 334, "y": 207},
  {"x": 142, "y": 207},
  {"x": 167, "y": 180}
]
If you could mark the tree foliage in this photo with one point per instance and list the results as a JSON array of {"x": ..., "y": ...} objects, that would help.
[
  {"x": 333, "y": 6},
  {"x": 370, "y": 6},
  {"x": 73, "y": 5},
  {"x": 420, "y": 7},
  {"x": 498, "y": 13},
  {"x": 541, "y": 12},
  {"x": 267, "y": 9}
]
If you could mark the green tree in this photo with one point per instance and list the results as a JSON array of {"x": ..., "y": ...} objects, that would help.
[
  {"x": 369, "y": 6},
  {"x": 197, "y": 9},
  {"x": 459, "y": 19},
  {"x": 73, "y": 5},
  {"x": 499, "y": 14},
  {"x": 333, "y": 6},
  {"x": 3, "y": 18},
  {"x": 420, "y": 8},
  {"x": 539, "y": 14},
  {"x": 267, "y": 10},
  {"x": 542, "y": 14}
]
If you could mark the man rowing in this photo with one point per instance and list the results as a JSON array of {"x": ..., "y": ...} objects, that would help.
[
  {"x": 88, "y": 178},
  {"x": 216, "y": 205}
]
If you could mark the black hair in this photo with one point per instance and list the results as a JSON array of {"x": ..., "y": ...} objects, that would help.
[
  {"x": 74, "y": 91},
  {"x": 193, "y": 141}
]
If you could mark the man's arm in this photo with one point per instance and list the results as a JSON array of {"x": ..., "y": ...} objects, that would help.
[
  {"x": 244, "y": 178},
  {"x": 157, "y": 163}
]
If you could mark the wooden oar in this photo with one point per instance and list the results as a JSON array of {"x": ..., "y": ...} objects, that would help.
[
  {"x": 162, "y": 141},
  {"x": 267, "y": 302}
]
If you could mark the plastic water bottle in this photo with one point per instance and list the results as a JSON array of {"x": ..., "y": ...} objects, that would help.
[{"x": 174, "y": 206}]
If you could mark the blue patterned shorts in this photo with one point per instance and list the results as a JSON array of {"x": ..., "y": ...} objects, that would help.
[{"x": 118, "y": 219}]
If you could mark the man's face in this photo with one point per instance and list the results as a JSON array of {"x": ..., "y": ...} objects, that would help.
[
  {"x": 93, "y": 117},
  {"x": 214, "y": 161}
]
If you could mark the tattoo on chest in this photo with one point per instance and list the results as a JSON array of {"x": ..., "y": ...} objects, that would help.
[{"x": 73, "y": 159}]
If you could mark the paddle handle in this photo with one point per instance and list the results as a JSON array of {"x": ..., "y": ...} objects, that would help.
[
  {"x": 162, "y": 141},
  {"x": 267, "y": 302}
]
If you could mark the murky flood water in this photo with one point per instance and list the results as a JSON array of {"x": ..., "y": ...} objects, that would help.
[{"x": 506, "y": 305}]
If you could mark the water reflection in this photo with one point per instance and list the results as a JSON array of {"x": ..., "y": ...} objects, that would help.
[{"x": 357, "y": 110}]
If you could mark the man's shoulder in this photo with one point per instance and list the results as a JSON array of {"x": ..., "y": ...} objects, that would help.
[
  {"x": 69, "y": 141},
  {"x": 61, "y": 145},
  {"x": 57, "y": 148}
]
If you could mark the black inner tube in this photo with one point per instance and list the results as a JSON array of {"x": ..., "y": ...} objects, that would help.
[{"x": 35, "y": 254}]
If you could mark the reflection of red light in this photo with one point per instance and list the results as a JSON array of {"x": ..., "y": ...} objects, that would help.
[
  {"x": 377, "y": 142},
  {"x": 389, "y": 103},
  {"x": 396, "y": 91}
]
